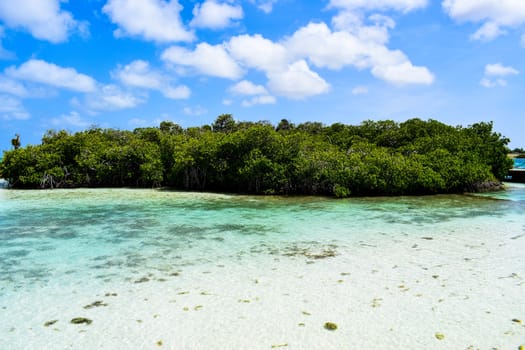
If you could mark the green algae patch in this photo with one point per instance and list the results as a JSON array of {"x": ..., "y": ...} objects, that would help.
[
  {"x": 97, "y": 303},
  {"x": 142, "y": 280},
  {"x": 439, "y": 336},
  {"x": 330, "y": 326},
  {"x": 81, "y": 320},
  {"x": 50, "y": 323}
]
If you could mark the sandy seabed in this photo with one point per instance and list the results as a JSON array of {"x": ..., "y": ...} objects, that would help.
[{"x": 443, "y": 289}]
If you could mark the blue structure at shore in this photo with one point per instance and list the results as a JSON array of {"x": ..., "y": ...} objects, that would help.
[{"x": 517, "y": 173}]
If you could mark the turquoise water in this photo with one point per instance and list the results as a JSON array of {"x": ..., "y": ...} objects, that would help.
[
  {"x": 47, "y": 236},
  {"x": 519, "y": 163},
  {"x": 73, "y": 242}
]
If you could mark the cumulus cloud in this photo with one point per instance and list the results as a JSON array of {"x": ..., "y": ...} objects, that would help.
[
  {"x": 214, "y": 15},
  {"x": 207, "y": 59},
  {"x": 265, "y": 6},
  {"x": 12, "y": 109},
  {"x": 497, "y": 69},
  {"x": 403, "y": 73},
  {"x": 4, "y": 54},
  {"x": 72, "y": 119},
  {"x": 257, "y": 52},
  {"x": 259, "y": 94},
  {"x": 155, "y": 20},
  {"x": 259, "y": 100},
  {"x": 494, "y": 15},
  {"x": 111, "y": 97},
  {"x": 495, "y": 74},
  {"x": 194, "y": 111},
  {"x": 12, "y": 87},
  {"x": 246, "y": 87},
  {"x": 42, "y": 72},
  {"x": 297, "y": 81},
  {"x": 336, "y": 49},
  {"x": 44, "y": 19},
  {"x": 289, "y": 64},
  {"x": 139, "y": 74},
  {"x": 398, "y": 5}
]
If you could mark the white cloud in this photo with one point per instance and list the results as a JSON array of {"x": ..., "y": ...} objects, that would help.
[
  {"x": 494, "y": 74},
  {"x": 497, "y": 69},
  {"x": 493, "y": 14},
  {"x": 297, "y": 81},
  {"x": 488, "y": 83},
  {"x": 335, "y": 50},
  {"x": 399, "y": 5},
  {"x": 357, "y": 41},
  {"x": 137, "y": 122},
  {"x": 487, "y": 32},
  {"x": 227, "y": 102},
  {"x": 259, "y": 93},
  {"x": 205, "y": 59},
  {"x": 4, "y": 54},
  {"x": 265, "y": 6},
  {"x": 259, "y": 100},
  {"x": 403, "y": 73},
  {"x": 258, "y": 52},
  {"x": 139, "y": 74},
  {"x": 246, "y": 87},
  {"x": 360, "y": 90},
  {"x": 12, "y": 109},
  {"x": 112, "y": 97},
  {"x": 42, "y": 72},
  {"x": 214, "y": 15},
  {"x": 155, "y": 20},
  {"x": 12, "y": 87},
  {"x": 180, "y": 92},
  {"x": 195, "y": 111},
  {"x": 72, "y": 119},
  {"x": 42, "y": 18}
]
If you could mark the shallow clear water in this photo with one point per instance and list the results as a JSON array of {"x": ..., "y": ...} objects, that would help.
[{"x": 69, "y": 243}]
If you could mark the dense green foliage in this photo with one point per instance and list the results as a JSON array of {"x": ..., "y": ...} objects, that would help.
[{"x": 385, "y": 157}]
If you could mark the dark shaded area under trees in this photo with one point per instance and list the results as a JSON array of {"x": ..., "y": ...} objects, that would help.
[{"x": 373, "y": 158}]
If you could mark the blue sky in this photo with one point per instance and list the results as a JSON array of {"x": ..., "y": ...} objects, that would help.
[{"x": 134, "y": 63}]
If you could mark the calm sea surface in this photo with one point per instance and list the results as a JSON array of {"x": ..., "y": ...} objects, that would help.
[{"x": 58, "y": 243}]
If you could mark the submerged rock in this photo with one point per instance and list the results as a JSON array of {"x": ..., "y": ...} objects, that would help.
[
  {"x": 142, "y": 280},
  {"x": 50, "y": 323},
  {"x": 330, "y": 326},
  {"x": 80, "y": 320},
  {"x": 97, "y": 303}
]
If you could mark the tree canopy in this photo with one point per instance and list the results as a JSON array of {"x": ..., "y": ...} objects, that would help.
[{"x": 373, "y": 158}]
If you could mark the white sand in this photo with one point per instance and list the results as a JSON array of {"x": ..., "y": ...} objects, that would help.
[{"x": 385, "y": 293}]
